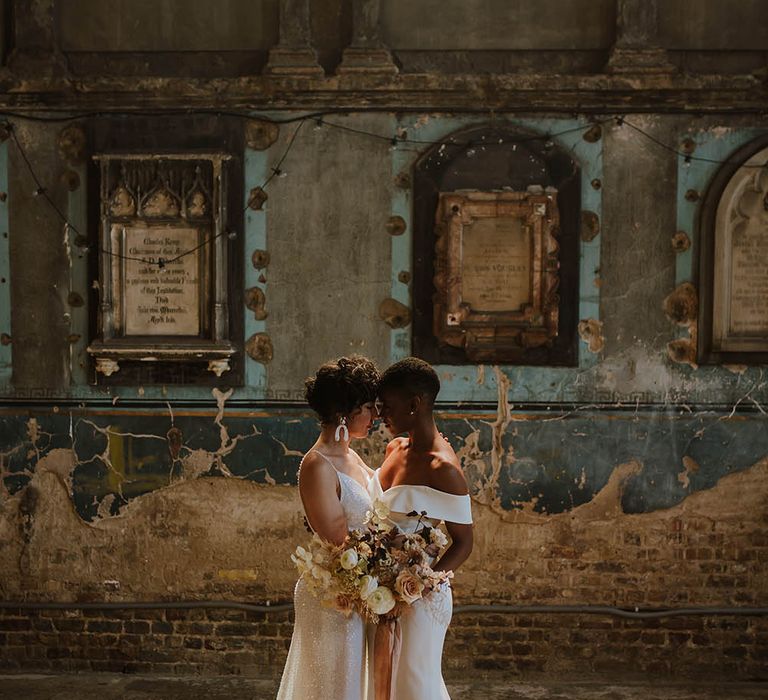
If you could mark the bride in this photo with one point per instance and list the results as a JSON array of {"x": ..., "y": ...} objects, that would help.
[
  {"x": 420, "y": 475},
  {"x": 327, "y": 658}
]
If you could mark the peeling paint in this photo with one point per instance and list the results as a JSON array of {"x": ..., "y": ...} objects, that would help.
[
  {"x": 72, "y": 142},
  {"x": 682, "y": 305},
  {"x": 394, "y": 313},
  {"x": 488, "y": 492},
  {"x": 683, "y": 351},
  {"x": 260, "y": 259},
  {"x": 396, "y": 226},
  {"x": 690, "y": 466},
  {"x": 260, "y": 134},
  {"x": 256, "y": 301},
  {"x": 591, "y": 332},
  {"x": 590, "y": 225},
  {"x": 259, "y": 348},
  {"x": 681, "y": 242}
]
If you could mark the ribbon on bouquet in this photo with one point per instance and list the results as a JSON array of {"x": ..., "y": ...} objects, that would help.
[{"x": 387, "y": 644}]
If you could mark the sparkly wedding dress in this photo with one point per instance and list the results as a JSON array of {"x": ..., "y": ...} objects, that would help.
[
  {"x": 327, "y": 659},
  {"x": 417, "y": 673}
]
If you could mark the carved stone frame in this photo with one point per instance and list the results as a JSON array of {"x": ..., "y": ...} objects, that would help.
[
  {"x": 714, "y": 294},
  {"x": 497, "y": 336},
  {"x": 212, "y": 344}
]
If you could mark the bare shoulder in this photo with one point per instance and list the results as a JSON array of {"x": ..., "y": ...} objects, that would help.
[
  {"x": 314, "y": 469},
  {"x": 447, "y": 476}
]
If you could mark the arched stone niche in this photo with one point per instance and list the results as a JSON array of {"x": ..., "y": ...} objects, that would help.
[
  {"x": 499, "y": 168},
  {"x": 733, "y": 284}
]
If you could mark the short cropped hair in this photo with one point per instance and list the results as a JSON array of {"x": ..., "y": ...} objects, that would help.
[
  {"x": 413, "y": 377},
  {"x": 341, "y": 386}
]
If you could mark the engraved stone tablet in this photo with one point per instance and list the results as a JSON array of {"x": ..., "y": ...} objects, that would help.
[
  {"x": 163, "y": 268},
  {"x": 496, "y": 272},
  {"x": 161, "y": 300},
  {"x": 496, "y": 265},
  {"x": 740, "y": 295}
]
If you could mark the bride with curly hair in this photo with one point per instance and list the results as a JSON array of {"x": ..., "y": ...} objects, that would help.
[{"x": 327, "y": 658}]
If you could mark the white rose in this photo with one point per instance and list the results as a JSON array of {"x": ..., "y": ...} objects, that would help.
[
  {"x": 368, "y": 584},
  {"x": 349, "y": 559},
  {"x": 381, "y": 601},
  {"x": 438, "y": 537}
]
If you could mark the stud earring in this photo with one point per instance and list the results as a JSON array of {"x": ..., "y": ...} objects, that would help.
[{"x": 341, "y": 430}]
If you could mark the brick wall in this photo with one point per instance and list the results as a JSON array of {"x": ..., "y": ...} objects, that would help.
[
  {"x": 591, "y": 644},
  {"x": 710, "y": 550},
  {"x": 215, "y": 641},
  {"x": 237, "y": 642}
]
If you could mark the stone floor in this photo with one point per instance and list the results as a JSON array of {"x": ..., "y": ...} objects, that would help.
[{"x": 105, "y": 686}]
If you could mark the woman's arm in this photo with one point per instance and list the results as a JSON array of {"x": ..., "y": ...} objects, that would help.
[
  {"x": 318, "y": 486},
  {"x": 448, "y": 477},
  {"x": 461, "y": 547}
]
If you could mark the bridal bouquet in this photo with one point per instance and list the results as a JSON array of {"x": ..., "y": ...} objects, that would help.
[{"x": 377, "y": 571}]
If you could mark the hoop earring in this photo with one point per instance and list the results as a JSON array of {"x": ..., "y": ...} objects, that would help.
[{"x": 341, "y": 430}]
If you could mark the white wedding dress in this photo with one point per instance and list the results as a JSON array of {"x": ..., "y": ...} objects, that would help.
[
  {"x": 327, "y": 658},
  {"x": 417, "y": 672}
]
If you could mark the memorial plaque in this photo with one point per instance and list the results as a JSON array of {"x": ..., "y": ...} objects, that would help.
[
  {"x": 163, "y": 265},
  {"x": 161, "y": 301},
  {"x": 496, "y": 265},
  {"x": 740, "y": 279},
  {"x": 496, "y": 272},
  {"x": 748, "y": 308}
]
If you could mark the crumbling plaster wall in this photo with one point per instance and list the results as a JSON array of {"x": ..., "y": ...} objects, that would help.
[{"x": 97, "y": 496}]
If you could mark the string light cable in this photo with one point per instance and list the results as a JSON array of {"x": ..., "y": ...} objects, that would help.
[
  {"x": 162, "y": 263},
  {"x": 320, "y": 120}
]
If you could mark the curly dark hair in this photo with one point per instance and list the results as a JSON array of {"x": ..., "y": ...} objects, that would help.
[
  {"x": 412, "y": 376},
  {"x": 340, "y": 386}
]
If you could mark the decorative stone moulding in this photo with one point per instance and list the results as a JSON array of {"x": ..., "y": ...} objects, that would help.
[
  {"x": 496, "y": 272},
  {"x": 162, "y": 263}
]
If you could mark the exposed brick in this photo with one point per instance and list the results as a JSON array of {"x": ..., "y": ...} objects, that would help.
[
  {"x": 109, "y": 666},
  {"x": 226, "y": 614},
  {"x": 235, "y": 629},
  {"x": 104, "y": 626},
  {"x": 137, "y": 626},
  {"x": 12, "y": 623},
  {"x": 160, "y": 627},
  {"x": 152, "y": 615},
  {"x": 197, "y": 628},
  {"x": 514, "y": 643}
]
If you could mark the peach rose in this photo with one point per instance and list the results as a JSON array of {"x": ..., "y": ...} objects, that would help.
[{"x": 409, "y": 586}]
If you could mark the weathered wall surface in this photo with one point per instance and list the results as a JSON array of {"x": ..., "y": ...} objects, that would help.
[
  {"x": 330, "y": 257},
  {"x": 635, "y": 479}
]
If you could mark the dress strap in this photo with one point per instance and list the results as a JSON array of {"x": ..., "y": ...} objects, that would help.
[
  {"x": 338, "y": 471},
  {"x": 326, "y": 458}
]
